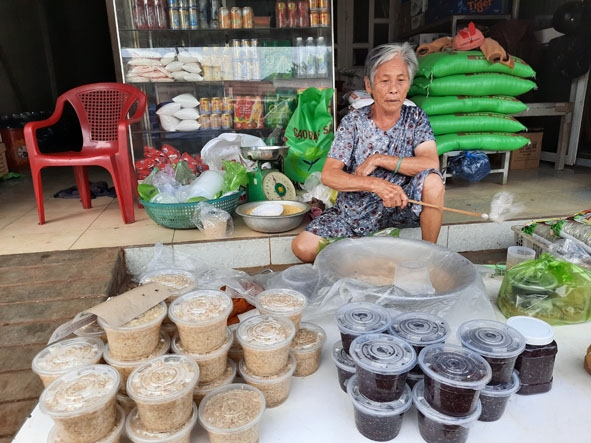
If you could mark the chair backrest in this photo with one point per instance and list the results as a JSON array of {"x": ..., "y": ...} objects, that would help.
[{"x": 101, "y": 107}]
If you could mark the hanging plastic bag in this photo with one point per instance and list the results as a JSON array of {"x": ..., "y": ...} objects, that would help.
[
  {"x": 469, "y": 165},
  {"x": 548, "y": 288},
  {"x": 309, "y": 134}
]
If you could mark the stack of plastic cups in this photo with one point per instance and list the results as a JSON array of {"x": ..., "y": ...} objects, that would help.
[
  {"x": 535, "y": 364},
  {"x": 378, "y": 390},
  {"x": 201, "y": 318},
  {"x": 162, "y": 389},
  {"x": 355, "y": 319},
  {"x": 500, "y": 345},
  {"x": 419, "y": 329},
  {"x": 267, "y": 363},
  {"x": 448, "y": 398}
]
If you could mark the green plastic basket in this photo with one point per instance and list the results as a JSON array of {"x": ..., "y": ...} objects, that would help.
[{"x": 179, "y": 215}]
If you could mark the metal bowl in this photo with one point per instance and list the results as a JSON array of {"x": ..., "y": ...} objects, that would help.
[
  {"x": 264, "y": 153},
  {"x": 272, "y": 224}
]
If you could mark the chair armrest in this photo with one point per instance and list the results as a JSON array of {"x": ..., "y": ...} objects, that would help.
[
  {"x": 140, "y": 110},
  {"x": 30, "y": 129}
]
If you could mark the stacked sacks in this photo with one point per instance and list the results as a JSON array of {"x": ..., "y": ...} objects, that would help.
[{"x": 469, "y": 97}]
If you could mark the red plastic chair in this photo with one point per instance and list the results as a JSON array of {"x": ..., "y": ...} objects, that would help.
[{"x": 102, "y": 110}]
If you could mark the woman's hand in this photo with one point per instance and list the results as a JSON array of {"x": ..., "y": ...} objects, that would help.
[
  {"x": 369, "y": 165},
  {"x": 392, "y": 195}
]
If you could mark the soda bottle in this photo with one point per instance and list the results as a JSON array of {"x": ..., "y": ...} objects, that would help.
[
  {"x": 321, "y": 58},
  {"x": 149, "y": 14},
  {"x": 161, "y": 16},
  {"x": 300, "y": 57},
  {"x": 139, "y": 15},
  {"x": 310, "y": 57}
]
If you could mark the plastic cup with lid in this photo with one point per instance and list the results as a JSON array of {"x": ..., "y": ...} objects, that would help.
[
  {"x": 232, "y": 413},
  {"x": 275, "y": 388},
  {"x": 180, "y": 280},
  {"x": 306, "y": 347},
  {"x": 498, "y": 343},
  {"x": 419, "y": 329},
  {"x": 518, "y": 254},
  {"x": 378, "y": 421},
  {"x": 137, "y": 338},
  {"x": 453, "y": 378},
  {"x": 265, "y": 341},
  {"x": 436, "y": 427},
  {"x": 202, "y": 389},
  {"x": 162, "y": 389},
  {"x": 82, "y": 403},
  {"x": 211, "y": 364},
  {"x": 494, "y": 398},
  {"x": 536, "y": 362},
  {"x": 114, "y": 436},
  {"x": 126, "y": 367},
  {"x": 357, "y": 318},
  {"x": 283, "y": 302},
  {"x": 382, "y": 363},
  {"x": 58, "y": 358},
  {"x": 344, "y": 363},
  {"x": 138, "y": 433},
  {"x": 201, "y": 318}
]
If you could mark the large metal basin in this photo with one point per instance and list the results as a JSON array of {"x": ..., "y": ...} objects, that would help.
[{"x": 264, "y": 153}]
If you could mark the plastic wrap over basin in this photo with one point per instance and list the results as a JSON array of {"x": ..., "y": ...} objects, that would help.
[{"x": 365, "y": 269}]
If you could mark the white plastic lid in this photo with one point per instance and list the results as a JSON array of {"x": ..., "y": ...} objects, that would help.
[
  {"x": 179, "y": 279},
  {"x": 80, "y": 391},
  {"x": 536, "y": 332},
  {"x": 60, "y": 357},
  {"x": 420, "y": 328},
  {"x": 201, "y": 307},
  {"x": 281, "y": 302},
  {"x": 163, "y": 378},
  {"x": 362, "y": 318},
  {"x": 491, "y": 338},
  {"x": 265, "y": 332},
  {"x": 383, "y": 354}
]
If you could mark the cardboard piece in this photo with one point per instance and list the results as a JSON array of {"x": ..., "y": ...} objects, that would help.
[
  {"x": 527, "y": 157},
  {"x": 117, "y": 311}
]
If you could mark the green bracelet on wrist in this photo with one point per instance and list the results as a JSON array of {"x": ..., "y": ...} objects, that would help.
[{"x": 398, "y": 165}]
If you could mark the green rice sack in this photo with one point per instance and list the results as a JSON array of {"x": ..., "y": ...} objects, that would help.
[
  {"x": 474, "y": 122},
  {"x": 452, "y": 104},
  {"x": 484, "y": 83},
  {"x": 481, "y": 141},
  {"x": 441, "y": 64}
]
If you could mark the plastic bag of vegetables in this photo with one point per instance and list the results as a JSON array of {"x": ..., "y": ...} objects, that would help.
[{"x": 553, "y": 290}]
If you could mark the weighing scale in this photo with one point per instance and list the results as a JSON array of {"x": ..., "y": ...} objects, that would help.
[{"x": 268, "y": 182}]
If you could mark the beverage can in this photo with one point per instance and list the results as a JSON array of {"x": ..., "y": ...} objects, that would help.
[
  {"x": 203, "y": 7},
  {"x": 215, "y": 121},
  {"x": 281, "y": 15},
  {"x": 175, "y": 18},
  {"x": 236, "y": 17},
  {"x": 224, "y": 18},
  {"x": 313, "y": 4},
  {"x": 216, "y": 105},
  {"x": 247, "y": 17},
  {"x": 185, "y": 19},
  {"x": 227, "y": 120},
  {"x": 204, "y": 121},
  {"x": 303, "y": 14},
  {"x": 173, "y": 3},
  {"x": 324, "y": 17},
  {"x": 314, "y": 19},
  {"x": 227, "y": 104},
  {"x": 322, "y": 4},
  {"x": 193, "y": 16},
  {"x": 292, "y": 14},
  {"x": 215, "y": 8},
  {"x": 205, "y": 105}
]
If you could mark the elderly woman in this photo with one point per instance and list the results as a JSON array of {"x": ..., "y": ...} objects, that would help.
[{"x": 381, "y": 156}]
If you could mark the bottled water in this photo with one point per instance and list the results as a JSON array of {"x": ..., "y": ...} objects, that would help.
[
  {"x": 321, "y": 58},
  {"x": 310, "y": 57}
]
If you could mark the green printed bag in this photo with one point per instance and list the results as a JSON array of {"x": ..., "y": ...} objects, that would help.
[
  {"x": 440, "y": 64},
  {"x": 309, "y": 134},
  {"x": 482, "y": 141},
  {"x": 452, "y": 104},
  {"x": 475, "y": 122},
  {"x": 484, "y": 83}
]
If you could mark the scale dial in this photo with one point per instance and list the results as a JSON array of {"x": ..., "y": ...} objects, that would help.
[{"x": 276, "y": 186}]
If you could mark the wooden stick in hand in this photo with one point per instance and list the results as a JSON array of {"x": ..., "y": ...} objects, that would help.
[{"x": 459, "y": 211}]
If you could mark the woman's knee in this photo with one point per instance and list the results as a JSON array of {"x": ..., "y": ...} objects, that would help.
[
  {"x": 305, "y": 246},
  {"x": 434, "y": 186}
]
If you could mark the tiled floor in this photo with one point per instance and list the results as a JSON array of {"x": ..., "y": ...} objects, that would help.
[{"x": 544, "y": 192}]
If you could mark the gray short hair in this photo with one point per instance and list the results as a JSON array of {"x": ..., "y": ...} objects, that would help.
[{"x": 384, "y": 53}]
